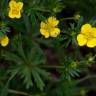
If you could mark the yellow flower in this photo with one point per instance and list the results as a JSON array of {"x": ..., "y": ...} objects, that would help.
[
  {"x": 15, "y": 9},
  {"x": 49, "y": 27},
  {"x": 87, "y": 36},
  {"x": 4, "y": 41}
]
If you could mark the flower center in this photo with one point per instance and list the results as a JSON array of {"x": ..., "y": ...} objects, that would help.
[
  {"x": 49, "y": 27},
  {"x": 15, "y": 11},
  {"x": 89, "y": 35}
]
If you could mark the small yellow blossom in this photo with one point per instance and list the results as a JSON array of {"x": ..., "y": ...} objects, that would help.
[
  {"x": 15, "y": 9},
  {"x": 87, "y": 36},
  {"x": 4, "y": 41},
  {"x": 49, "y": 27}
]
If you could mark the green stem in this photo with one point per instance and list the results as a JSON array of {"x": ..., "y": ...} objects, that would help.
[
  {"x": 68, "y": 18},
  {"x": 18, "y": 92},
  {"x": 23, "y": 93},
  {"x": 57, "y": 67},
  {"x": 41, "y": 10},
  {"x": 85, "y": 78}
]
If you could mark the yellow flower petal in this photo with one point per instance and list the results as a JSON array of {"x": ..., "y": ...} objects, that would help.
[
  {"x": 44, "y": 33},
  {"x": 12, "y": 3},
  {"x": 86, "y": 28},
  {"x": 4, "y": 41},
  {"x": 91, "y": 43},
  {"x": 94, "y": 32},
  {"x": 53, "y": 21},
  {"x": 10, "y": 14},
  {"x": 20, "y": 5},
  {"x": 14, "y": 14},
  {"x": 55, "y": 32},
  {"x": 81, "y": 40},
  {"x": 43, "y": 25},
  {"x": 18, "y": 15}
]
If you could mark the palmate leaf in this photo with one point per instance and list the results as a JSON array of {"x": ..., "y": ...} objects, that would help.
[
  {"x": 12, "y": 57},
  {"x": 25, "y": 63},
  {"x": 43, "y": 73},
  {"x": 25, "y": 74},
  {"x": 74, "y": 73},
  {"x": 38, "y": 80},
  {"x": 36, "y": 56},
  {"x": 5, "y": 88},
  {"x": 71, "y": 68}
]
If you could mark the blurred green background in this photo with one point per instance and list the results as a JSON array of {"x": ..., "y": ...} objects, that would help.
[{"x": 86, "y": 8}]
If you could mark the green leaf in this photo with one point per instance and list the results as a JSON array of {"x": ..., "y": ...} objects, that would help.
[
  {"x": 25, "y": 73},
  {"x": 43, "y": 73},
  {"x": 80, "y": 22},
  {"x": 27, "y": 23},
  {"x": 4, "y": 91},
  {"x": 40, "y": 16},
  {"x": 12, "y": 57},
  {"x": 34, "y": 23},
  {"x": 38, "y": 80}
]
